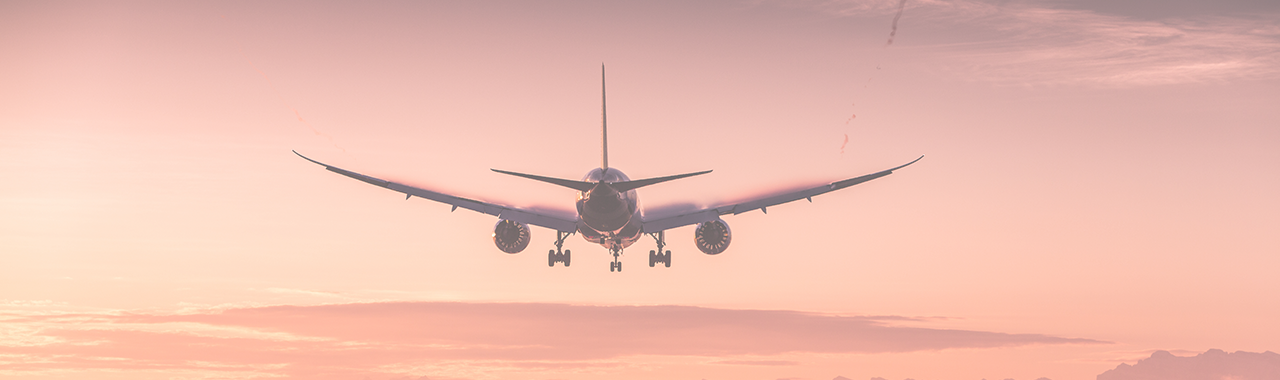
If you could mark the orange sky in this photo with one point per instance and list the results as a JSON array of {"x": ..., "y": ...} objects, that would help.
[{"x": 1099, "y": 183}]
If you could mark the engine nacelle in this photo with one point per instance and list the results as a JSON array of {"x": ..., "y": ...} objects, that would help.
[
  {"x": 511, "y": 236},
  {"x": 712, "y": 237}
]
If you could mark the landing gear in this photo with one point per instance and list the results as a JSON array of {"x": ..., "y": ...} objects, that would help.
[
  {"x": 664, "y": 258},
  {"x": 615, "y": 265},
  {"x": 659, "y": 256},
  {"x": 555, "y": 255}
]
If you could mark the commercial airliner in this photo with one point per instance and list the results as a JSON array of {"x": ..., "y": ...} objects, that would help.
[{"x": 607, "y": 209}]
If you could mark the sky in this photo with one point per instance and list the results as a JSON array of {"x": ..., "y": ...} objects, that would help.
[{"x": 1098, "y": 187}]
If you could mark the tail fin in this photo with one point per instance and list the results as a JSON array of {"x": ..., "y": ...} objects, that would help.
[
  {"x": 604, "y": 126},
  {"x": 604, "y": 161}
]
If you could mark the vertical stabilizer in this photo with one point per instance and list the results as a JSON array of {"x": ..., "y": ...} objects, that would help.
[{"x": 604, "y": 126}]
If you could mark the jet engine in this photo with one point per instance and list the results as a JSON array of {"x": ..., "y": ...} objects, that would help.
[
  {"x": 712, "y": 237},
  {"x": 511, "y": 236}
]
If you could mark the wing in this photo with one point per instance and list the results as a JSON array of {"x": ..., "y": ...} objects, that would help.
[
  {"x": 554, "y": 222},
  {"x": 709, "y": 214}
]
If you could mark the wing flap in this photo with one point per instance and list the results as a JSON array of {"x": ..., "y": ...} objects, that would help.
[
  {"x": 505, "y": 212},
  {"x": 777, "y": 199},
  {"x": 680, "y": 220},
  {"x": 708, "y": 214},
  {"x": 540, "y": 220}
]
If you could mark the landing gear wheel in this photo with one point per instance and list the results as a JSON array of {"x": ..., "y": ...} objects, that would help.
[
  {"x": 613, "y": 266},
  {"x": 555, "y": 255},
  {"x": 619, "y": 266},
  {"x": 659, "y": 256}
]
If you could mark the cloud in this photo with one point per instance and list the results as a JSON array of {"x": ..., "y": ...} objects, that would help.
[
  {"x": 1212, "y": 365},
  {"x": 451, "y": 339},
  {"x": 758, "y": 362},
  {"x": 1038, "y": 46},
  {"x": 1123, "y": 356},
  {"x": 1024, "y": 44}
]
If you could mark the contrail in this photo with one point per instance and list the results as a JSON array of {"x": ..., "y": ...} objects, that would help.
[
  {"x": 901, "y": 5},
  {"x": 272, "y": 85},
  {"x": 286, "y": 102},
  {"x": 846, "y": 142}
]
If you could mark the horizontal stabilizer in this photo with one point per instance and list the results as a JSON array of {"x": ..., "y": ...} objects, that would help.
[
  {"x": 632, "y": 185},
  {"x": 622, "y": 186},
  {"x": 576, "y": 185}
]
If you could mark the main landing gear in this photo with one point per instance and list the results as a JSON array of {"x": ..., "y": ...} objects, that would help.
[
  {"x": 554, "y": 256},
  {"x": 615, "y": 265},
  {"x": 658, "y": 256}
]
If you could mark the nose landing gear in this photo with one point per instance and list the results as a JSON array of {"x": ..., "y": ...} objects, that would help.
[
  {"x": 615, "y": 265},
  {"x": 556, "y": 256}
]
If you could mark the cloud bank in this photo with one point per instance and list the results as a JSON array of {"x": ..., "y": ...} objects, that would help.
[
  {"x": 450, "y": 339},
  {"x": 1212, "y": 365},
  {"x": 1028, "y": 44}
]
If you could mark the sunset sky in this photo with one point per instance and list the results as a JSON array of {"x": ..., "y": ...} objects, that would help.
[{"x": 1100, "y": 182}]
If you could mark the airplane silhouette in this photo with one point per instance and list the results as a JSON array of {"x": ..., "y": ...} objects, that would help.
[{"x": 607, "y": 206}]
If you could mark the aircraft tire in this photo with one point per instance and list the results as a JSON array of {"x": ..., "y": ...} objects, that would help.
[{"x": 566, "y": 257}]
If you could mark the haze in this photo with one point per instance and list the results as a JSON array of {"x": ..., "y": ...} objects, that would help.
[{"x": 1099, "y": 184}]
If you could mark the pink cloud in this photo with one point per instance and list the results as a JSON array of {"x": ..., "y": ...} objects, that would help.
[
  {"x": 1213, "y": 364},
  {"x": 757, "y": 362},
  {"x": 395, "y": 338},
  {"x": 1027, "y": 44}
]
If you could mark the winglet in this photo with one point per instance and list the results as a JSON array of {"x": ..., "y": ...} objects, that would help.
[
  {"x": 854, "y": 181},
  {"x": 909, "y": 163},
  {"x": 308, "y": 159}
]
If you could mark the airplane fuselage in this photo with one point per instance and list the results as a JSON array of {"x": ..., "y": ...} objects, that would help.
[
  {"x": 608, "y": 209},
  {"x": 606, "y": 216}
]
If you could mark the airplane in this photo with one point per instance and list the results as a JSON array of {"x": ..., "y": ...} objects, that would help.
[{"x": 607, "y": 209}]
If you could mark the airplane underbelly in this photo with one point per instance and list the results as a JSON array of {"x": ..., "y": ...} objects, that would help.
[
  {"x": 620, "y": 239},
  {"x": 605, "y": 222}
]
